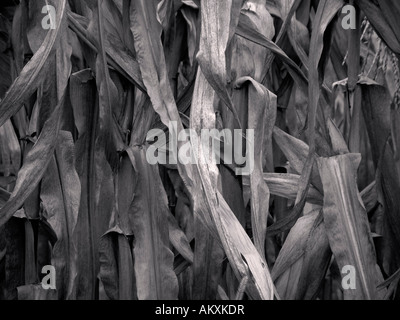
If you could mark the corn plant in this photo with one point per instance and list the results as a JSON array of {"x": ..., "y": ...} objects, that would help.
[{"x": 84, "y": 82}]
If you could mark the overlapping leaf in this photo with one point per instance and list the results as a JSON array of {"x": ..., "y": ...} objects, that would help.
[
  {"x": 345, "y": 218},
  {"x": 29, "y": 79}
]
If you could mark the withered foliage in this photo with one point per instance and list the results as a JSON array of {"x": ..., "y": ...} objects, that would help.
[{"x": 77, "y": 191}]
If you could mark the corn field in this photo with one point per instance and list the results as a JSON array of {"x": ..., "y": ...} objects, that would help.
[{"x": 81, "y": 86}]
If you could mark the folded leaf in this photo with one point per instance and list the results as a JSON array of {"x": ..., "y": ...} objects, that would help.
[
  {"x": 155, "y": 278},
  {"x": 116, "y": 266},
  {"x": 29, "y": 79},
  {"x": 35, "y": 165},
  {"x": 302, "y": 262},
  {"x": 347, "y": 224},
  {"x": 213, "y": 43},
  {"x": 60, "y": 194},
  {"x": 262, "y": 117},
  {"x": 286, "y": 185}
]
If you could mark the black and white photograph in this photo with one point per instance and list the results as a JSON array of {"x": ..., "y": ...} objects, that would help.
[{"x": 199, "y": 154}]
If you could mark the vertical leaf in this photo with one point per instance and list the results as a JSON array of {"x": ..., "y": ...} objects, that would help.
[
  {"x": 155, "y": 278},
  {"x": 262, "y": 116},
  {"x": 347, "y": 224},
  {"x": 60, "y": 194}
]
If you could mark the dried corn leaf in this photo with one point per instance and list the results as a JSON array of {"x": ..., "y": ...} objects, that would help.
[
  {"x": 60, "y": 195},
  {"x": 213, "y": 43},
  {"x": 30, "y": 77},
  {"x": 345, "y": 218},
  {"x": 286, "y": 185},
  {"x": 35, "y": 165},
  {"x": 155, "y": 278},
  {"x": 262, "y": 117},
  {"x": 301, "y": 265}
]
